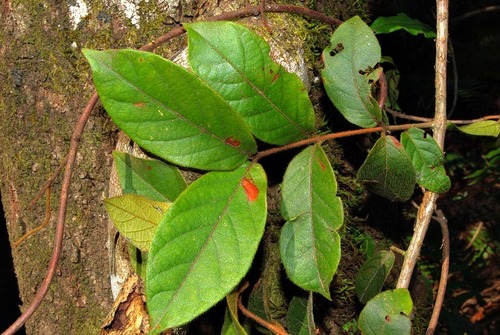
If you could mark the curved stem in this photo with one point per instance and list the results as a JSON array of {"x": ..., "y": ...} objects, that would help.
[{"x": 445, "y": 267}]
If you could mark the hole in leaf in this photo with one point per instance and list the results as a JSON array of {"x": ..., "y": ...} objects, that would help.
[{"x": 338, "y": 48}]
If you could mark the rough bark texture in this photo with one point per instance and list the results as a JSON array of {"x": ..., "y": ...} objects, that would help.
[{"x": 45, "y": 86}]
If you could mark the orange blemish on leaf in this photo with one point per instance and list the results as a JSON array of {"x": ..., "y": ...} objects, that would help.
[
  {"x": 251, "y": 190},
  {"x": 276, "y": 76},
  {"x": 232, "y": 142},
  {"x": 139, "y": 104}
]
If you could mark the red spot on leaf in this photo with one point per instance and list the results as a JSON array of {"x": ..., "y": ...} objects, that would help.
[
  {"x": 139, "y": 104},
  {"x": 276, "y": 76},
  {"x": 395, "y": 141},
  {"x": 232, "y": 142},
  {"x": 149, "y": 168},
  {"x": 251, "y": 190}
]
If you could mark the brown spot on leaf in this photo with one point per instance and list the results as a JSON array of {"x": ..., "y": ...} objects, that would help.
[
  {"x": 232, "y": 142},
  {"x": 139, "y": 104},
  {"x": 276, "y": 76},
  {"x": 387, "y": 318}
]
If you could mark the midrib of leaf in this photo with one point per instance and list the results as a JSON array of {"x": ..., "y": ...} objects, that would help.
[
  {"x": 183, "y": 282},
  {"x": 311, "y": 213},
  {"x": 144, "y": 216},
  {"x": 259, "y": 91},
  {"x": 176, "y": 113}
]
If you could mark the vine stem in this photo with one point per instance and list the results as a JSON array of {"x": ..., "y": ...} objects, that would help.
[
  {"x": 348, "y": 133},
  {"x": 428, "y": 204}
]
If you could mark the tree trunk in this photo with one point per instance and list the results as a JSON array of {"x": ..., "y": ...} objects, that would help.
[{"x": 46, "y": 83}]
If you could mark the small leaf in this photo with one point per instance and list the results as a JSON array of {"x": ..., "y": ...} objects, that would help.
[
  {"x": 236, "y": 63},
  {"x": 231, "y": 324},
  {"x": 204, "y": 245},
  {"x": 482, "y": 128},
  {"x": 352, "y": 55},
  {"x": 150, "y": 178},
  {"x": 300, "y": 318},
  {"x": 388, "y": 171},
  {"x": 384, "y": 25},
  {"x": 136, "y": 217},
  {"x": 427, "y": 159},
  {"x": 372, "y": 275},
  {"x": 169, "y": 111},
  {"x": 387, "y": 314},
  {"x": 309, "y": 243}
]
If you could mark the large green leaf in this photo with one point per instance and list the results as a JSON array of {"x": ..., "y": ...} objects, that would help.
[
  {"x": 482, "y": 128},
  {"x": 388, "y": 170},
  {"x": 351, "y": 57},
  {"x": 169, "y": 111},
  {"x": 136, "y": 217},
  {"x": 372, "y": 275},
  {"x": 236, "y": 63},
  {"x": 427, "y": 159},
  {"x": 384, "y": 25},
  {"x": 387, "y": 314},
  {"x": 205, "y": 244},
  {"x": 148, "y": 177},
  {"x": 309, "y": 243}
]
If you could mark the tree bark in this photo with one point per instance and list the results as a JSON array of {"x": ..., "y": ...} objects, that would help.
[{"x": 46, "y": 83}]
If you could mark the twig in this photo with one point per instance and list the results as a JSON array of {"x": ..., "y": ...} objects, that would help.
[
  {"x": 341, "y": 134},
  {"x": 406, "y": 116},
  {"x": 277, "y": 329},
  {"x": 429, "y": 200},
  {"x": 445, "y": 267}
]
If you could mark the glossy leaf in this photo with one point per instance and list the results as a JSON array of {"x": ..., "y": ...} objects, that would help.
[
  {"x": 427, "y": 159},
  {"x": 384, "y": 25},
  {"x": 387, "y": 314},
  {"x": 148, "y": 177},
  {"x": 300, "y": 318},
  {"x": 236, "y": 63},
  {"x": 136, "y": 217},
  {"x": 204, "y": 245},
  {"x": 309, "y": 243},
  {"x": 372, "y": 275},
  {"x": 388, "y": 171},
  {"x": 351, "y": 57},
  {"x": 169, "y": 111},
  {"x": 482, "y": 128}
]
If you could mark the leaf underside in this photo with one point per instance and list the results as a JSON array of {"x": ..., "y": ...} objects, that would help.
[
  {"x": 351, "y": 57},
  {"x": 372, "y": 274},
  {"x": 309, "y": 242}
]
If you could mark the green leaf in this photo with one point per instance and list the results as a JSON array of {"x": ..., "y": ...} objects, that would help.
[
  {"x": 427, "y": 159},
  {"x": 236, "y": 63},
  {"x": 351, "y": 57},
  {"x": 136, "y": 217},
  {"x": 148, "y": 177},
  {"x": 372, "y": 275},
  {"x": 169, "y": 111},
  {"x": 482, "y": 128},
  {"x": 231, "y": 324},
  {"x": 205, "y": 244},
  {"x": 309, "y": 243},
  {"x": 387, "y": 314},
  {"x": 384, "y": 25},
  {"x": 300, "y": 318},
  {"x": 388, "y": 171}
]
